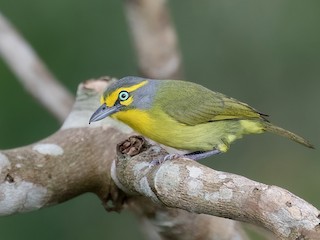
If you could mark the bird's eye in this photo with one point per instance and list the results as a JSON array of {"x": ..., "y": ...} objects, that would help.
[{"x": 123, "y": 95}]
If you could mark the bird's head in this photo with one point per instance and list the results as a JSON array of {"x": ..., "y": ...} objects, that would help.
[{"x": 125, "y": 94}]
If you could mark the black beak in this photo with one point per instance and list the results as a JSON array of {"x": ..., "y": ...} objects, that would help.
[{"x": 103, "y": 111}]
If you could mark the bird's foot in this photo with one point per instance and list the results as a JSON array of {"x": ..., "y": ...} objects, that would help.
[
  {"x": 161, "y": 160},
  {"x": 202, "y": 154},
  {"x": 193, "y": 155}
]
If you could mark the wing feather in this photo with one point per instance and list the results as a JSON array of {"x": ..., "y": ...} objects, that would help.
[{"x": 193, "y": 104}]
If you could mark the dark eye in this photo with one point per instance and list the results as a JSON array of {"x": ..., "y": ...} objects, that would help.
[{"x": 123, "y": 95}]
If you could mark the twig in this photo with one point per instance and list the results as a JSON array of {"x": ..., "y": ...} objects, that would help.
[{"x": 32, "y": 73}]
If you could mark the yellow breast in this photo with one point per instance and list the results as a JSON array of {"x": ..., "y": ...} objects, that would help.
[
  {"x": 154, "y": 124},
  {"x": 158, "y": 126},
  {"x": 138, "y": 120}
]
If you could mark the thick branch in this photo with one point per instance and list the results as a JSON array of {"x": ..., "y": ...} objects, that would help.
[
  {"x": 74, "y": 160},
  {"x": 32, "y": 73},
  {"x": 173, "y": 223},
  {"x": 154, "y": 38},
  {"x": 188, "y": 185}
]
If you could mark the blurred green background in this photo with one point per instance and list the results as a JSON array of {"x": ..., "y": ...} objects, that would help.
[{"x": 265, "y": 53}]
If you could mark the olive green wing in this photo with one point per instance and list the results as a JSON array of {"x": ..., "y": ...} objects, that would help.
[{"x": 192, "y": 104}]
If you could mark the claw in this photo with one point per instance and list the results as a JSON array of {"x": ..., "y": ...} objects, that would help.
[
  {"x": 161, "y": 160},
  {"x": 171, "y": 156}
]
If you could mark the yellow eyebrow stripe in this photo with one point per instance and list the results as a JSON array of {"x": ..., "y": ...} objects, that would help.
[
  {"x": 134, "y": 87},
  {"x": 112, "y": 98}
]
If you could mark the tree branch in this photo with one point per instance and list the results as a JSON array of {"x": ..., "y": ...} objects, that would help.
[
  {"x": 154, "y": 38},
  {"x": 74, "y": 160},
  {"x": 32, "y": 73},
  {"x": 161, "y": 222},
  {"x": 188, "y": 185}
]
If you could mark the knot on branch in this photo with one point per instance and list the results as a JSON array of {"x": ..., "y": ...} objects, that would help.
[
  {"x": 132, "y": 171},
  {"x": 132, "y": 146},
  {"x": 9, "y": 178},
  {"x": 133, "y": 154}
]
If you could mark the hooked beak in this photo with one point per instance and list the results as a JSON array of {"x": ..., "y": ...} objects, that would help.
[{"x": 103, "y": 111}]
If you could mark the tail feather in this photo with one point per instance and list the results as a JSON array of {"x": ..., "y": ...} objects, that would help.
[{"x": 285, "y": 133}]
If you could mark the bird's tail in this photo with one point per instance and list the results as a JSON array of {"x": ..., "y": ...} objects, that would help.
[{"x": 285, "y": 133}]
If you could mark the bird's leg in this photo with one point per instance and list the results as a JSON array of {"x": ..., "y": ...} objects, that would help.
[
  {"x": 201, "y": 154},
  {"x": 193, "y": 155}
]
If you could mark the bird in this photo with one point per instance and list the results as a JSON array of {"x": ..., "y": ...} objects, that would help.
[{"x": 184, "y": 115}]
